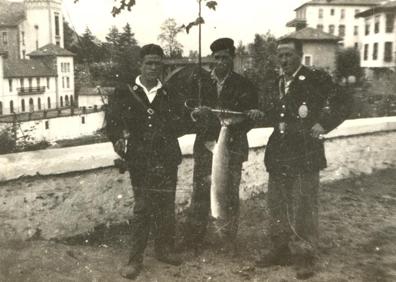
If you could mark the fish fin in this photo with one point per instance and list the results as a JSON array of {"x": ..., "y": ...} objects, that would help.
[{"x": 210, "y": 145}]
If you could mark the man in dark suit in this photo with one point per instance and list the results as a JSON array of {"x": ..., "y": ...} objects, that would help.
[
  {"x": 306, "y": 105},
  {"x": 143, "y": 125},
  {"x": 224, "y": 89}
]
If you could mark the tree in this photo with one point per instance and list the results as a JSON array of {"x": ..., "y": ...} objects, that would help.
[
  {"x": 348, "y": 63},
  {"x": 69, "y": 36},
  {"x": 264, "y": 64},
  {"x": 169, "y": 32},
  {"x": 89, "y": 49},
  {"x": 241, "y": 49}
]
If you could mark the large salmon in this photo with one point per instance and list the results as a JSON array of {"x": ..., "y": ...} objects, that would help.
[{"x": 220, "y": 178}]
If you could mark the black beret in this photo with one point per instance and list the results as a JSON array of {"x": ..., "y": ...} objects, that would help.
[
  {"x": 223, "y": 44},
  {"x": 151, "y": 49}
]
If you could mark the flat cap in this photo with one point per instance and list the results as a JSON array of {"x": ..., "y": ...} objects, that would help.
[
  {"x": 151, "y": 49},
  {"x": 223, "y": 44}
]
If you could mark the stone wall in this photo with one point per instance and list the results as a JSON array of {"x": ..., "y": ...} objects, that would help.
[{"x": 73, "y": 203}]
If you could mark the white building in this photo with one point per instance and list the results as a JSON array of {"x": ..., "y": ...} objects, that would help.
[
  {"x": 379, "y": 39},
  {"x": 336, "y": 17},
  {"x": 36, "y": 73}
]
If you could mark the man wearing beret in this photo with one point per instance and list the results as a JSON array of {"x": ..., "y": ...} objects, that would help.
[
  {"x": 226, "y": 90},
  {"x": 306, "y": 105},
  {"x": 143, "y": 125}
]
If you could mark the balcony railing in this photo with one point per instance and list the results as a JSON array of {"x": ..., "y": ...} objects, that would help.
[{"x": 31, "y": 90}]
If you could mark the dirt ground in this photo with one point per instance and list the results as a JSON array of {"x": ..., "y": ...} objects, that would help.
[{"x": 358, "y": 235}]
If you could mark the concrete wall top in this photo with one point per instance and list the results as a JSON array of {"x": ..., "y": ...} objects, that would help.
[{"x": 80, "y": 158}]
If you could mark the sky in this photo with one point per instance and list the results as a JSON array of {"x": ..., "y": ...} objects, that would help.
[{"x": 238, "y": 19}]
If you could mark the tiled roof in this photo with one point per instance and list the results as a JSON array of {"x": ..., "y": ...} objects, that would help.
[
  {"x": 50, "y": 50},
  {"x": 27, "y": 68},
  {"x": 11, "y": 13},
  {"x": 384, "y": 7},
  {"x": 310, "y": 34},
  {"x": 341, "y": 2}
]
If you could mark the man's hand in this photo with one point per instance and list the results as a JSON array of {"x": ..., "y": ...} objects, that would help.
[
  {"x": 120, "y": 146},
  {"x": 202, "y": 112},
  {"x": 317, "y": 131},
  {"x": 255, "y": 114}
]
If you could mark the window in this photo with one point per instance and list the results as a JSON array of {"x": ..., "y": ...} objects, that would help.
[
  {"x": 319, "y": 27},
  {"x": 71, "y": 100},
  {"x": 11, "y": 106},
  {"x": 83, "y": 120},
  {"x": 23, "y": 38},
  {"x": 49, "y": 103},
  {"x": 367, "y": 29},
  {"x": 390, "y": 22},
  {"x": 21, "y": 82},
  {"x": 48, "y": 83},
  {"x": 366, "y": 49},
  {"x": 375, "y": 51},
  {"x": 341, "y": 30},
  {"x": 23, "y": 54},
  {"x": 308, "y": 60},
  {"x": 356, "y": 45},
  {"x": 356, "y": 30},
  {"x": 67, "y": 100},
  {"x": 61, "y": 101},
  {"x": 1, "y": 108},
  {"x": 31, "y": 105},
  {"x": 38, "y": 81},
  {"x": 38, "y": 103},
  {"x": 388, "y": 51},
  {"x": 376, "y": 24},
  {"x": 342, "y": 14},
  {"x": 30, "y": 82},
  {"x": 63, "y": 82},
  {"x": 332, "y": 12},
  {"x": 10, "y": 85},
  {"x": 331, "y": 29},
  {"x": 46, "y": 124},
  {"x": 23, "y": 105},
  {"x": 67, "y": 82},
  {"x": 5, "y": 38},
  {"x": 57, "y": 33},
  {"x": 320, "y": 14}
]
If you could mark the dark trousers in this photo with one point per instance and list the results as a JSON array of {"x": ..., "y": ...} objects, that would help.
[
  {"x": 293, "y": 206},
  {"x": 154, "y": 192},
  {"x": 198, "y": 215}
]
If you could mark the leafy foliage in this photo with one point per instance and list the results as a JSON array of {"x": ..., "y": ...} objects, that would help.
[
  {"x": 169, "y": 32},
  {"x": 348, "y": 63},
  {"x": 264, "y": 63}
]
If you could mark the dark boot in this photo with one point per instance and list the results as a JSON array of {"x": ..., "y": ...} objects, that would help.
[
  {"x": 280, "y": 256},
  {"x": 131, "y": 270}
]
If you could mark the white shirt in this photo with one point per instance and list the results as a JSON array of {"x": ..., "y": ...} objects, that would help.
[
  {"x": 153, "y": 91},
  {"x": 219, "y": 83}
]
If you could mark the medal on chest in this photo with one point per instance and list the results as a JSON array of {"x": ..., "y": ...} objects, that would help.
[{"x": 303, "y": 110}]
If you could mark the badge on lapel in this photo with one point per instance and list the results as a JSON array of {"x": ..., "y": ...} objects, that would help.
[
  {"x": 301, "y": 77},
  {"x": 135, "y": 88},
  {"x": 303, "y": 110}
]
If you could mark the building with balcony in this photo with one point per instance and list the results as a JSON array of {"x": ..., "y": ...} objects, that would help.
[
  {"x": 379, "y": 40},
  {"x": 36, "y": 73},
  {"x": 336, "y": 17}
]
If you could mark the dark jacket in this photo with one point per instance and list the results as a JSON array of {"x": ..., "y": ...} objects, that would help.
[
  {"x": 153, "y": 137},
  {"x": 296, "y": 150},
  {"x": 237, "y": 94}
]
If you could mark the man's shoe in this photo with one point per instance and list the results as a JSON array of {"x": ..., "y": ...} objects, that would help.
[
  {"x": 131, "y": 270},
  {"x": 169, "y": 258},
  {"x": 275, "y": 257}
]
